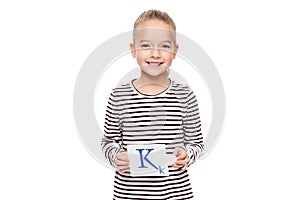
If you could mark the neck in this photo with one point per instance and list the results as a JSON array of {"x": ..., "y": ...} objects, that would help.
[{"x": 161, "y": 79}]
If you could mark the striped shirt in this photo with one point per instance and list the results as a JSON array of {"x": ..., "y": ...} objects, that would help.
[{"x": 170, "y": 118}]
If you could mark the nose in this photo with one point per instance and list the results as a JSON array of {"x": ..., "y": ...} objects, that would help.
[{"x": 155, "y": 53}]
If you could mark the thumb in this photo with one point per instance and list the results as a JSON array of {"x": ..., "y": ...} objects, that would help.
[{"x": 176, "y": 151}]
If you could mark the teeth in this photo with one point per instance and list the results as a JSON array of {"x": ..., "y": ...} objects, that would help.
[{"x": 154, "y": 64}]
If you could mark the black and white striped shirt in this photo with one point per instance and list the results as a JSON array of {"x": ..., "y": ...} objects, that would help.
[{"x": 170, "y": 118}]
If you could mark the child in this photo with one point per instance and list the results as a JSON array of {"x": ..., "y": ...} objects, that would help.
[{"x": 153, "y": 110}]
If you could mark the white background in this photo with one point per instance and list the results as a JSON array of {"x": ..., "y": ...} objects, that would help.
[{"x": 254, "y": 44}]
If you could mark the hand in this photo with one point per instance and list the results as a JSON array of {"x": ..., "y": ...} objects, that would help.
[
  {"x": 122, "y": 162},
  {"x": 182, "y": 157}
]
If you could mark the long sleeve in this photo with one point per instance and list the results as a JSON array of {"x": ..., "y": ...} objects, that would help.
[
  {"x": 193, "y": 139},
  {"x": 112, "y": 139}
]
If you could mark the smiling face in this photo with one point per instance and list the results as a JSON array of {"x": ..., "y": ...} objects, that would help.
[{"x": 154, "y": 47}]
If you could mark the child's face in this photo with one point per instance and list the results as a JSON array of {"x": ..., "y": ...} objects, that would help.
[{"x": 154, "y": 47}]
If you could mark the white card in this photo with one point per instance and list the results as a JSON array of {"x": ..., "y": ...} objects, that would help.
[{"x": 149, "y": 160}]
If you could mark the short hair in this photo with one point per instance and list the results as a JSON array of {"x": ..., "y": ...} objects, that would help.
[{"x": 154, "y": 14}]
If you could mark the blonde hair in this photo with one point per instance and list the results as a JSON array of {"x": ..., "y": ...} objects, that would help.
[{"x": 154, "y": 14}]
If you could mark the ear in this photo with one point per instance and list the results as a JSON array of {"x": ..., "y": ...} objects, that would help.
[
  {"x": 132, "y": 50},
  {"x": 175, "y": 51}
]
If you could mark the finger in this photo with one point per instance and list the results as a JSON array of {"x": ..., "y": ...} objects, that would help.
[
  {"x": 122, "y": 162},
  {"x": 125, "y": 167},
  {"x": 181, "y": 162},
  {"x": 177, "y": 151},
  {"x": 124, "y": 159},
  {"x": 124, "y": 170},
  {"x": 122, "y": 156},
  {"x": 182, "y": 156},
  {"x": 177, "y": 166}
]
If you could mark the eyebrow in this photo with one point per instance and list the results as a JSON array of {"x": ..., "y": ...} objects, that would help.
[{"x": 168, "y": 41}]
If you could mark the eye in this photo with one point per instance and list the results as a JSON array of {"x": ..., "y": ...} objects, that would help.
[
  {"x": 145, "y": 45},
  {"x": 166, "y": 46}
]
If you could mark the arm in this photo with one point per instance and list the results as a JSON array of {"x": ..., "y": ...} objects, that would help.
[
  {"x": 193, "y": 139},
  {"x": 111, "y": 143}
]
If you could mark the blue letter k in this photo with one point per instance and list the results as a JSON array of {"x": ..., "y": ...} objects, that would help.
[{"x": 145, "y": 158}]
